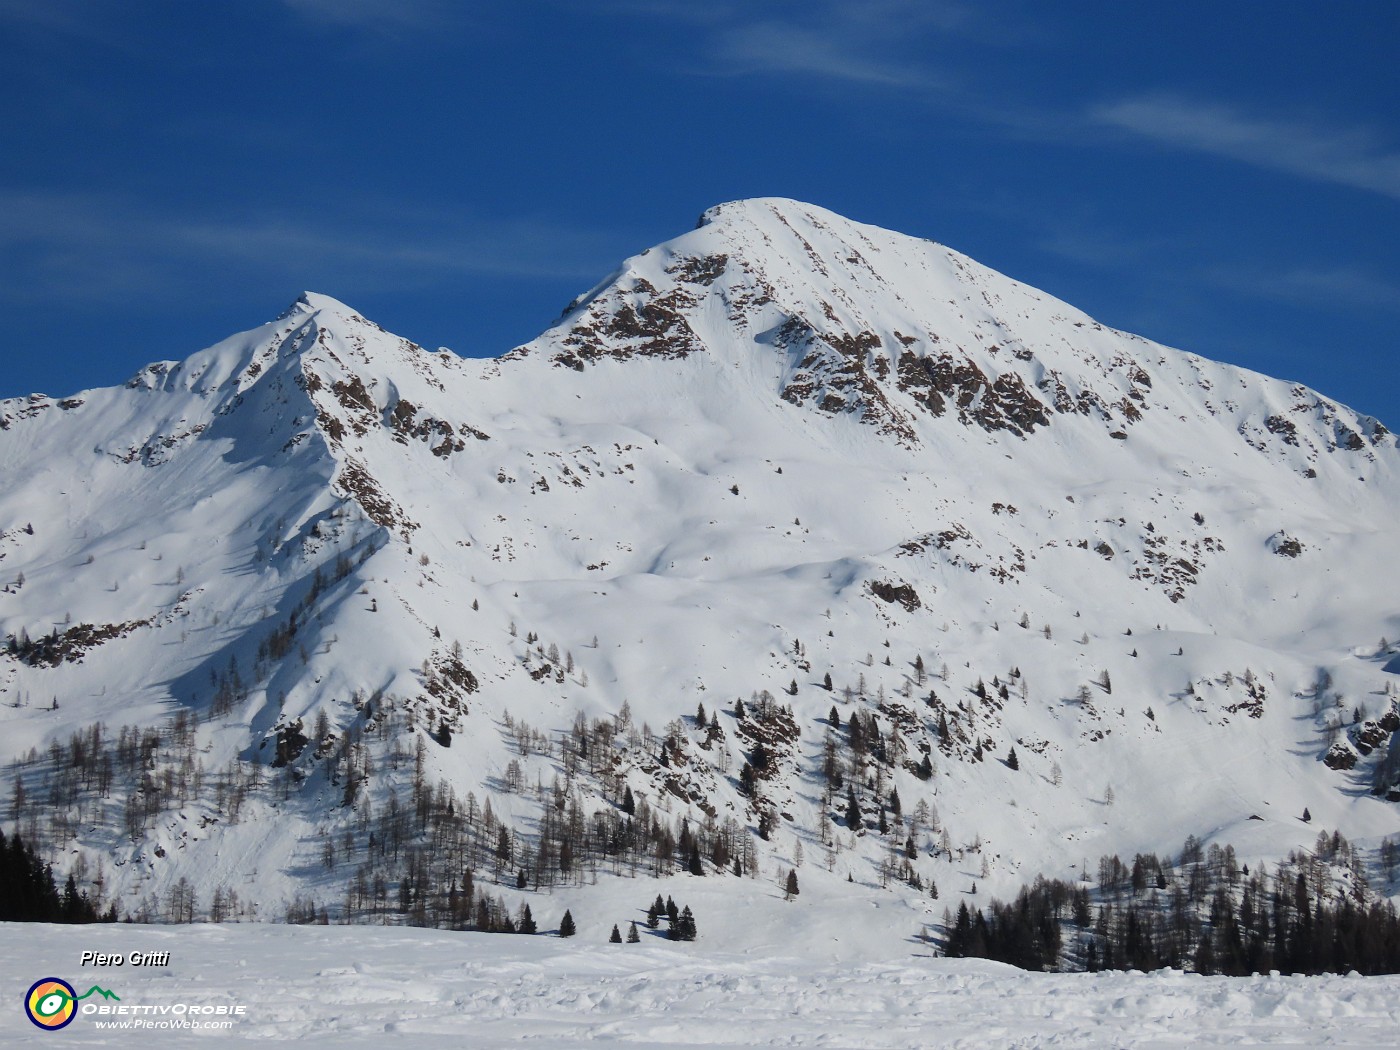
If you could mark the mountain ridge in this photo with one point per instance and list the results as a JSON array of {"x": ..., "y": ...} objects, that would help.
[{"x": 779, "y": 447}]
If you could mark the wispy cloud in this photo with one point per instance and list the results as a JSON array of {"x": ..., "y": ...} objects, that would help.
[
  {"x": 872, "y": 43},
  {"x": 54, "y": 17},
  {"x": 61, "y": 23},
  {"x": 782, "y": 48},
  {"x": 1096, "y": 249},
  {"x": 918, "y": 49},
  {"x": 1334, "y": 287},
  {"x": 377, "y": 15},
  {"x": 98, "y": 248},
  {"x": 1355, "y": 157}
]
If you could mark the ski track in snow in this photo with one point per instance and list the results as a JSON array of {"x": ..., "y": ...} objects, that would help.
[{"x": 420, "y": 988}]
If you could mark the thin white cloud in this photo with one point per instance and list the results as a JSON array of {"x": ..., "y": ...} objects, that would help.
[
  {"x": 377, "y": 15},
  {"x": 779, "y": 48},
  {"x": 1094, "y": 248},
  {"x": 61, "y": 22},
  {"x": 1333, "y": 288},
  {"x": 876, "y": 42},
  {"x": 1343, "y": 156},
  {"x": 53, "y": 17},
  {"x": 98, "y": 248}
]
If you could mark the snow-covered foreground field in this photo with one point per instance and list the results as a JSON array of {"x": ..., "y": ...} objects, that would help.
[{"x": 419, "y": 988}]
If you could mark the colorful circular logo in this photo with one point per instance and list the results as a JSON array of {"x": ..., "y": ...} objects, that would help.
[{"x": 50, "y": 1003}]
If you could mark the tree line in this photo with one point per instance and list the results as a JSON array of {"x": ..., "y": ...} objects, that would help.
[
  {"x": 1314, "y": 914},
  {"x": 28, "y": 892}
]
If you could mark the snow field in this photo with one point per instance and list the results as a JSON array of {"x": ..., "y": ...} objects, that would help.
[{"x": 370, "y": 986}]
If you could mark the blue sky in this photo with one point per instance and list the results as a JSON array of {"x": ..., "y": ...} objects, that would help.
[{"x": 1221, "y": 176}]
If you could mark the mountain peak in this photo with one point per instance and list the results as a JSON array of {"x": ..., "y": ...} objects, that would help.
[
  {"x": 752, "y": 208},
  {"x": 315, "y": 302},
  {"x": 845, "y": 319}
]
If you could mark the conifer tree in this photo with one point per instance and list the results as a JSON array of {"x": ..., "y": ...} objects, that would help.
[
  {"x": 566, "y": 925},
  {"x": 633, "y": 937},
  {"x": 616, "y": 937},
  {"x": 28, "y": 892},
  {"x": 684, "y": 926},
  {"x": 960, "y": 935},
  {"x": 790, "y": 890}
]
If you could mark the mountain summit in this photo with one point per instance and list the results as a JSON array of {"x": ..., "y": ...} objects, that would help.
[
  {"x": 848, "y": 319},
  {"x": 781, "y": 468}
]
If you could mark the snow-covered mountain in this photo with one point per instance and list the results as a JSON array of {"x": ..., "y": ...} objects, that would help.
[{"x": 316, "y": 568}]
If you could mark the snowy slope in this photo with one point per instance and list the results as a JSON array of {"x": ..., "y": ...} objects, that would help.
[{"x": 781, "y": 446}]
